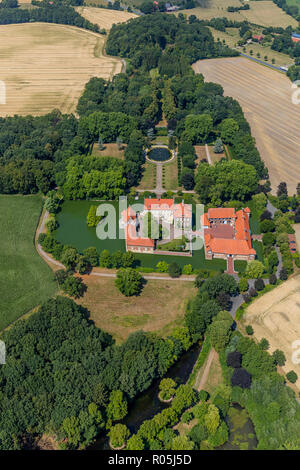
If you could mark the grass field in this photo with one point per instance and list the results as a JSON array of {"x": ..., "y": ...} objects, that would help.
[
  {"x": 171, "y": 175},
  {"x": 120, "y": 315},
  {"x": 231, "y": 37},
  {"x": 110, "y": 150},
  {"x": 148, "y": 180},
  {"x": 264, "y": 12},
  {"x": 25, "y": 280},
  {"x": 104, "y": 18},
  {"x": 46, "y": 66},
  {"x": 275, "y": 316},
  {"x": 266, "y": 98}
]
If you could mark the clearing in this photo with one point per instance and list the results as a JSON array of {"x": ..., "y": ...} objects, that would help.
[
  {"x": 266, "y": 98},
  {"x": 120, "y": 315},
  {"x": 105, "y": 18},
  {"x": 110, "y": 150},
  {"x": 46, "y": 66},
  {"x": 25, "y": 279},
  {"x": 264, "y": 13},
  {"x": 275, "y": 316}
]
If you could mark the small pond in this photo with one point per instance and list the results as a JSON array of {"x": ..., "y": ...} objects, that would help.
[{"x": 159, "y": 154}]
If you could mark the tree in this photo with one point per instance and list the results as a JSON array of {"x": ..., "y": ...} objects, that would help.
[
  {"x": 220, "y": 283},
  {"x": 129, "y": 281},
  {"x": 292, "y": 376},
  {"x": 187, "y": 180},
  {"x": 174, "y": 270},
  {"x": 105, "y": 259},
  {"x": 223, "y": 300},
  {"x": 117, "y": 406},
  {"x": 254, "y": 270},
  {"x": 241, "y": 378},
  {"x": 234, "y": 359},
  {"x": 279, "y": 357},
  {"x": 282, "y": 190},
  {"x": 228, "y": 129},
  {"x": 264, "y": 344},
  {"x": 100, "y": 395},
  {"x": 91, "y": 255},
  {"x": 167, "y": 388},
  {"x": 118, "y": 435},
  {"x": 69, "y": 257},
  {"x": 267, "y": 226},
  {"x": 74, "y": 286},
  {"x": 182, "y": 443},
  {"x": 197, "y": 128},
  {"x": 135, "y": 443},
  {"x": 92, "y": 219},
  {"x": 218, "y": 147},
  {"x": 220, "y": 330}
]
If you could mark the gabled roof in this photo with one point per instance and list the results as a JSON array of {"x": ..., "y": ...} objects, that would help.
[
  {"x": 221, "y": 213},
  {"x": 128, "y": 213},
  {"x": 183, "y": 210},
  {"x": 159, "y": 204},
  {"x": 133, "y": 240}
]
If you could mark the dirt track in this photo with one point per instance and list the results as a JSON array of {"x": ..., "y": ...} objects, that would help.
[{"x": 266, "y": 98}]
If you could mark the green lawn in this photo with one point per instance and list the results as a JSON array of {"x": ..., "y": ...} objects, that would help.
[{"x": 25, "y": 279}]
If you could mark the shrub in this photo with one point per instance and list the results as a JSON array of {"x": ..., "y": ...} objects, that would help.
[
  {"x": 272, "y": 279},
  {"x": 254, "y": 270},
  {"x": 283, "y": 274},
  {"x": 249, "y": 330},
  {"x": 167, "y": 388},
  {"x": 292, "y": 376},
  {"x": 187, "y": 269},
  {"x": 243, "y": 285},
  {"x": 174, "y": 270},
  {"x": 259, "y": 284},
  {"x": 187, "y": 417},
  {"x": 162, "y": 267},
  {"x": 253, "y": 292}
]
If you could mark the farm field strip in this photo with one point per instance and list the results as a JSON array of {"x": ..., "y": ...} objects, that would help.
[
  {"x": 105, "y": 18},
  {"x": 266, "y": 98},
  {"x": 275, "y": 316},
  {"x": 264, "y": 12},
  {"x": 46, "y": 66}
]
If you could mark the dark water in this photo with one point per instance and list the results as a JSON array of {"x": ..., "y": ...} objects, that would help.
[{"x": 147, "y": 405}]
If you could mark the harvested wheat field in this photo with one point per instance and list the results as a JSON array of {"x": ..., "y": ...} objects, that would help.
[
  {"x": 266, "y": 98},
  {"x": 275, "y": 316},
  {"x": 104, "y": 18},
  {"x": 264, "y": 12},
  {"x": 46, "y": 66}
]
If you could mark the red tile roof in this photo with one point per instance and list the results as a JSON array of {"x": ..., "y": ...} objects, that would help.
[
  {"x": 239, "y": 244},
  {"x": 132, "y": 238},
  {"x": 159, "y": 204},
  {"x": 183, "y": 210},
  {"x": 128, "y": 213},
  {"x": 221, "y": 213}
]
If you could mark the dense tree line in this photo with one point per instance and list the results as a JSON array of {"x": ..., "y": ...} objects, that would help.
[
  {"x": 163, "y": 41},
  {"x": 66, "y": 376},
  {"x": 56, "y": 13}
]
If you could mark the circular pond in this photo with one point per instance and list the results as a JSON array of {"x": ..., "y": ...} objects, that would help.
[{"x": 159, "y": 154}]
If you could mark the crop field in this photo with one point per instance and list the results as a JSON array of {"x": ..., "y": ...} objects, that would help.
[
  {"x": 46, "y": 66},
  {"x": 275, "y": 316},
  {"x": 266, "y": 98},
  {"x": 231, "y": 37},
  {"x": 25, "y": 279},
  {"x": 264, "y": 12},
  {"x": 120, "y": 315},
  {"x": 104, "y": 18}
]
